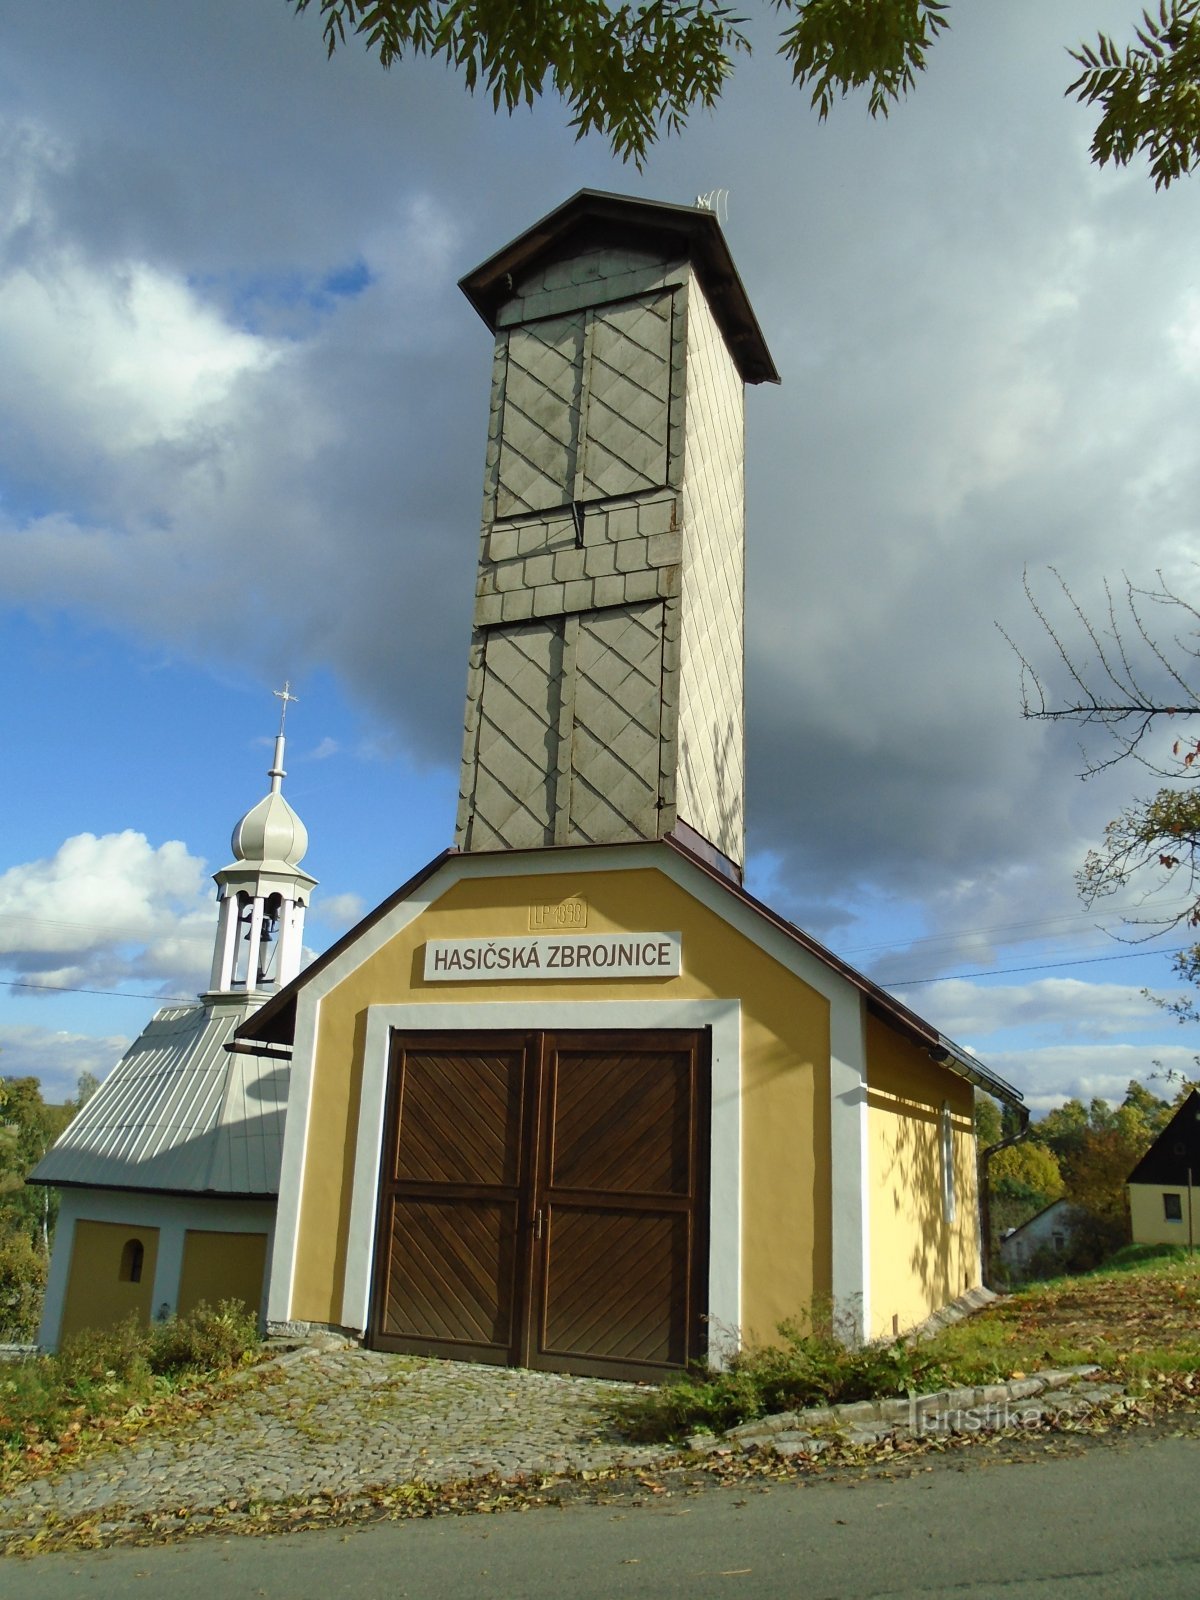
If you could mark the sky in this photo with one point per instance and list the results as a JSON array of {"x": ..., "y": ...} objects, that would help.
[{"x": 242, "y": 419}]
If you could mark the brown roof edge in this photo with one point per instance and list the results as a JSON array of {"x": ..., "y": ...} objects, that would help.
[
  {"x": 490, "y": 283},
  {"x": 883, "y": 1005},
  {"x": 274, "y": 1022}
]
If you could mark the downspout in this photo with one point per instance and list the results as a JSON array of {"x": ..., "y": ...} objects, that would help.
[{"x": 985, "y": 1189}]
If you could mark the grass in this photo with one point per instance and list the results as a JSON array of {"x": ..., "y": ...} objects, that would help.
[
  {"x": 1138, "y": 1318},
  {"x": 50, "y": 1405}
]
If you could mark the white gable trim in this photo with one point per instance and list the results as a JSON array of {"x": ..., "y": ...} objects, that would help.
[
  {"x": 292, "y": 1160},
  {"x": 850, "y": 1218},
  {"x": 848, "y": 1069},
  {"x": 704, "y": 889}
]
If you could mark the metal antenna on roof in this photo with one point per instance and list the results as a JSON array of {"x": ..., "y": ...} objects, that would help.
[{"x": 716, "y": 201}]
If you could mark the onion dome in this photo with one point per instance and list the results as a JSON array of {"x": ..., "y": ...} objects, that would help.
[{"x": 271, "y": 834}]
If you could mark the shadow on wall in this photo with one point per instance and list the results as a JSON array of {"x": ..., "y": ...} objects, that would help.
[
  {"x": 727, "y": 834},
  {"x": 929, "y": 1201}
]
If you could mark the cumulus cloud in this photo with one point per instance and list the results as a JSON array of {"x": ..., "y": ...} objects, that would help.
[
  {"x": 106, "y": 910},
  {"x": 57, "y": 1057},
  {"x": 1064, "y": 1007},
  {"x": 1053, "y": 1073},
  {"x": 339, "y": 911}
]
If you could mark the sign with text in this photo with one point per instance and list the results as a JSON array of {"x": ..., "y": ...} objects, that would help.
[{"x": 568, "y": 956}]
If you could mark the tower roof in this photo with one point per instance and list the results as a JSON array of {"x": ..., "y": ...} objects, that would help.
[
  {"x": 180, "y": 1112},
  {"x": 270, "y": 834},
  {"x": 688, "y": 230},
  {"x": 270, "y": 838}
]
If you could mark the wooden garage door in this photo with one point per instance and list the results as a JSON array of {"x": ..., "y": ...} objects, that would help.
[{"x": 544, "y": 1200}]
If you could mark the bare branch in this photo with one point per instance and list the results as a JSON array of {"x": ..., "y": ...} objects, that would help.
[{"x": 1121, "y": 677}]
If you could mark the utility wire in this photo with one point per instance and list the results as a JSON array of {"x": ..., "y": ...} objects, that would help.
[
  {"x": 898, "y": 983},
  {"x": 1045, "y": 966},
  {"x": 120, "y": 994}
]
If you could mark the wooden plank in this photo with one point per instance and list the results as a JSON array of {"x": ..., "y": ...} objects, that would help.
[
  {"x": 621, "y": 1269},
  {"x": 544, "y": 1200},
  {"x": 450, "y": 1206},
  {"x": 617, "y": 1288}
]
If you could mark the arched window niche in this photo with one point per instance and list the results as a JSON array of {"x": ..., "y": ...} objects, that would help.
[{"x": 132, "y": 1257}]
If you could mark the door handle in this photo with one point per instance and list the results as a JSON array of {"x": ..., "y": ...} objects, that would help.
[{"x": 537, "y": 1224}]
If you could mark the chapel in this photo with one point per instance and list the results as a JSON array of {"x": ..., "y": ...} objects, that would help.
[{"x": 169, "y": 1175}]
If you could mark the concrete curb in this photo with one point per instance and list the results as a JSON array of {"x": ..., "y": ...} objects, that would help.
[{"x": 987, "y": 1408}]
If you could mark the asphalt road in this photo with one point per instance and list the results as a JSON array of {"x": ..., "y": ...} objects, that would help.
[{"x": 1118, "y": 1520}]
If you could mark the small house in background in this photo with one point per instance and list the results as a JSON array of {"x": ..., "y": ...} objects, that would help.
[
  {"x": 1166, "y": 1179},
  {"x": 170, "y": 1172},
  {"x": 1045, "y": 1237}
]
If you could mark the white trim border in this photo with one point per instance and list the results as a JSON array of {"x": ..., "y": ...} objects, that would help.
[
  {"x": 850, "y": 1220},
  {"x": 848, "y": 1071},
  {"x": 722, "y": 1017}
]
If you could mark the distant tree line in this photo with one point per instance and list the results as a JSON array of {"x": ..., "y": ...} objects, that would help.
[
  {"x": 1079, "y": 1153},
  {"x": 28, "y": 1127}
]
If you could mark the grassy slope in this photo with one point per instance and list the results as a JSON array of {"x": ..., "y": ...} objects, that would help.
[
  {"x": 1138, "y": 1318},
  {"x": 114, "y": 1383}
]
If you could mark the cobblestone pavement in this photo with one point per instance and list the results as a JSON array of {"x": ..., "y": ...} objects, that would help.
[{"x": 334, "y": 1422}]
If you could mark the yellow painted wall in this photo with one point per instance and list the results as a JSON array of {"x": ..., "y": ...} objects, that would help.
[
  {"x": 97, "y": 1296},
  {"x": 222, "y": 1266},
  {"x": 785, "y": 1072},
  {"x": 1147, "y": 1222},
  {"x": 918, "y": 1260}
]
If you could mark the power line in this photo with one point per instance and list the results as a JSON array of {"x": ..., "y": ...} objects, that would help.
[
  {"x": 120, "y": 994},
  {"x": 1111, "y": 913},
  {"x": 1045, "y": 966}
]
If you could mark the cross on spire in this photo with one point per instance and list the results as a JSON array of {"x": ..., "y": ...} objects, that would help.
[{"x": 284, "y": 695}]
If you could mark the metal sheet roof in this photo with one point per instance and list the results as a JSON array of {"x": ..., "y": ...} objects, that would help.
[{"x": 180, "y": 1113}]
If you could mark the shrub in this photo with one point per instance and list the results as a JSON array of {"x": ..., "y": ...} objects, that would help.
[
  {"x": 105, "y": 1357},
  {"x": 206, "y": 1340},
  {"x": 806, "y": 1368},
  {"x": 104, "y": 1372},
  {"x": 22, "y": 1285}
]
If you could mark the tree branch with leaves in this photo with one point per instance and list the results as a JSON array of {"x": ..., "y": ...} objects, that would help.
[{"x": 633, "y": 71}]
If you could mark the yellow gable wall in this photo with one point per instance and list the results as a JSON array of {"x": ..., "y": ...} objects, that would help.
[
  {"x": 1147, "y": 1214},
  {"x": 919, "y": 1261},
  {"x": 785, "y": 1071}
]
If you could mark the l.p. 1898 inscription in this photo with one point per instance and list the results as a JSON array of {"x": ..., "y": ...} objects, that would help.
[{"x": 570, "y": 913}]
